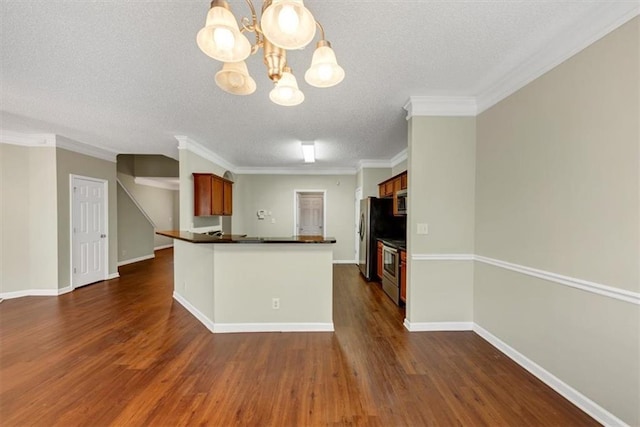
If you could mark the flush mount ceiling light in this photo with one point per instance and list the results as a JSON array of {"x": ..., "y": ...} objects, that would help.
[
  {"x": 309, "y": 152},
  {"x": 284, "y": 25}
]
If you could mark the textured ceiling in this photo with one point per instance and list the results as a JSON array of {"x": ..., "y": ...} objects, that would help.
[{"x": 127, "y": 75}]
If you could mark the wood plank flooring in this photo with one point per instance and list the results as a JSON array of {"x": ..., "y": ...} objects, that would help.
[{"x": 124, "y": 353}]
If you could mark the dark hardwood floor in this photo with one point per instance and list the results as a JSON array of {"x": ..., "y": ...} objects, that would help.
[{"x": 124, "y": 353}]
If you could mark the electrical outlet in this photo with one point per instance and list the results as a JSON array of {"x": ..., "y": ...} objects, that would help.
[
  {"x": 275, "y": 303},
  {"x": 423, "y": 228}
]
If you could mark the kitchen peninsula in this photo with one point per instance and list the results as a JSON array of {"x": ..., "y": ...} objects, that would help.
[{"x": 254, "y": 284}]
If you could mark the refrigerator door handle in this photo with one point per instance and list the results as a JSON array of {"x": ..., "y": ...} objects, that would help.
[{"x": 361, "y": 231}]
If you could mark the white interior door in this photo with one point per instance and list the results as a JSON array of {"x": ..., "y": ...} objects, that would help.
[
  {"x": 88, "y": 231},
  {"x": 310, "y": 214}
]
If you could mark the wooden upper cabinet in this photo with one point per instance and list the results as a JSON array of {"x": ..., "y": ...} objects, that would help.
[
  {"x": 389, "y": 187},
  {"x": 212, "y": 195}
]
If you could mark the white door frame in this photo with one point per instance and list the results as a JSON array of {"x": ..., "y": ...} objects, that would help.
[
  {"x": 324, "y": 209},
  {"x": 105, "y": 186}
]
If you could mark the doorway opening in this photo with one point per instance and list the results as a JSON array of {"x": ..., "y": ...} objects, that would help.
[
  {"x": 309, "y": 213},
  {"x": 89, "y": 230}
]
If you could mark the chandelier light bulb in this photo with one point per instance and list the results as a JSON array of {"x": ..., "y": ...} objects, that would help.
[
  {"x": 224, "y": 38},
  {"x": 221, "y": 38},
  {"x": 284, "y": 30},
  {"x": 324, "y": 70},
  {"x": 288, "y": 20},
  {"x": 285, "y": 91}
]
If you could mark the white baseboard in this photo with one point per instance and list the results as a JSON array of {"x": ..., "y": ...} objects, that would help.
[
  {"x": 113, "y": 276},
  {"x": 250, "y": 327},
  {"x": 345, "y": 261},
  {"x": 272, "y": 327},
  {"x": 35, "y": 293},
  {"x": 194, "y": 311},
  {"x": 132, "y": 260},
  {"x": 574, "y": 396},
  {"x": 159, "y": 248},
  {"x": 437, "y": 326}
]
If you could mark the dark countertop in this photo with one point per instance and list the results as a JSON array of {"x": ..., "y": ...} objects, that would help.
[
  {"x": 188, "y": 236},
  {"x": 394, "y": 243}
]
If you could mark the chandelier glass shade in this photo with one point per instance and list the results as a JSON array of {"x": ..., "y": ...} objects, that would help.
[
  {"x": 284, "y": 25},
  {"x": 288, "y": 24},
  {"x": 286, "y": 90},
  {"x": 234, "y": 78},
  {"x": 324, "y": 70},
  {"x": 221, "y": 38}
]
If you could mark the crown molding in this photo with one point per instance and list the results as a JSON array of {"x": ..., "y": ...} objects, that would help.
[
  {"x": 574, "y": 39},
  {"x": 293, "y": 171},
  {"x": 374, "y": 164},
  {"x": 186, "y": 143},
  {"x": 55, "y": 141},
  {"x": 86, "y": 149},
  {"x": 27, "y": 140},
  {"x": 451, "y": 106},
  {"x": 400, "y": 157}
]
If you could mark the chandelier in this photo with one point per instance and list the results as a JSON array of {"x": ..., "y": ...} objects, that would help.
[{"x": 284, "y": 25}]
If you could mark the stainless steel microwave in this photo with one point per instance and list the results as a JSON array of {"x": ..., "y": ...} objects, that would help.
[{"x": 401, "y": 202}]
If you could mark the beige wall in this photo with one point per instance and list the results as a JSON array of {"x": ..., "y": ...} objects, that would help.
[
  {"x": 157, "y": 203},
  {"x": 275, "y": 193},
  {"x": 558, "y": 190},
  {"x": 68, "y": 163},
  {"x": 28, "y": 219},
  {"x": 399, "y": 168},
  {"x": 442, "y": 176},
  {"x": 155, "y": 165},
  {"x": 135, "y": 232},
  {"x": 371, "y": 177}
]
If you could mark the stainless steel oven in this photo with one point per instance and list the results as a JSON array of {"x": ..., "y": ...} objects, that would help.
[{"x": 391, "y": 272}]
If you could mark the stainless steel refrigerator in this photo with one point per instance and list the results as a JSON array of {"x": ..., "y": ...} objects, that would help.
[{"x": 377, "y": 221}]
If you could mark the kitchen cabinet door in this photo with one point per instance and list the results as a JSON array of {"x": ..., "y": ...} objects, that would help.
[
  {"x": 403, "y": 181},
  {"x": 202, "y": 194},
  {"x": 388, "y": 189},
  {"x": 217, "y": 190},
  {"x": 403, "y": 276}
]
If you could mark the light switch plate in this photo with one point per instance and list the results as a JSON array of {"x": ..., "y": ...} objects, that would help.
[{"x": 423, "y": 228}]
